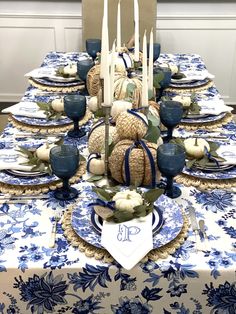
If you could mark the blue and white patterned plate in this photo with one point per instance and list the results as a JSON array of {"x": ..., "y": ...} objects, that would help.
[
  {"x": 47, "y": 82},
  {"x": 216, "y": 175},
  {"x": 206, "y": 119},
  {"x": 172, "y": 222},
  {"x": 190, "y": 84},
  {"x": 42, "y": 122},
  {"x": 157, "y": 221},
  {"x": 11, "y": 179}
]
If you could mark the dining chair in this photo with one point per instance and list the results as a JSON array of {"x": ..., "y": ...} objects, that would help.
[{"x": 92, "y": 12}]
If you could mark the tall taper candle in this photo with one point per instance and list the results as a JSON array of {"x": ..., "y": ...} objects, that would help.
[
  {"x": 112, "y": 76},
  {"x": 136, "y": 30},
  {"x": 150, "y": 62},
  {"x": 118, "y": 31},
  {"x": 105, "y": 44},
  {"x": 144, "y": 77}
]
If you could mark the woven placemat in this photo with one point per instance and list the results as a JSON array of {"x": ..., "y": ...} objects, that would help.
[
  {"x": 205, "y": 184},
  {"x": 47, "y": 128},
  {"x": 207, "y": 125},
  {"x": 102, "y": 254},
  {"x": 41, "y": 188},
  {"x": 67, "y": 89}
]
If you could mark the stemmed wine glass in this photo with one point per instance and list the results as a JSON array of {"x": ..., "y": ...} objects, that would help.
[
  {"x": 171, "y": 113},
  {"x": 64, "y": 161},
  {"x": 170, "y": 161},
  {"x": 156, "y": 50},
  {"x": 83, "y": 66},
  {"x": 75, "y": 109},
  {"x": 93, "y": 46}
]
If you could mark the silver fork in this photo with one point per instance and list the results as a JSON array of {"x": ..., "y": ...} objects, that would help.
[{"x": 57, "y": 217}]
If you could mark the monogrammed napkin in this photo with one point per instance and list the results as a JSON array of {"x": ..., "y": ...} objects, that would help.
[{"x": 128, "y": 242}]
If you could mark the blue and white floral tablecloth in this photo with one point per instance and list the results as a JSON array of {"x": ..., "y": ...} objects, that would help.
[{"x": 37, "y": 279}]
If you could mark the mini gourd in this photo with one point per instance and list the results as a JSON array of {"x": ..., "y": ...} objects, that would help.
[
  {"x": 96, "y": 164},
  {"x": 58, "y": 104},
  {"x": 127, "y": 200},
  {"x": 43, "y": 152},
  {"x": 195, "y": 147}
]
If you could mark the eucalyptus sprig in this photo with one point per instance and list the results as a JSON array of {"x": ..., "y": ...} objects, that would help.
[
  {"x": 118, "y": 216},
  {"x": 60, "y": 72},
  {"x": 153, "y": 132},
  {"x": 50, "y": 113},
  {"x": 33, "y": 160},
  {"x": 206, "y": 159}
]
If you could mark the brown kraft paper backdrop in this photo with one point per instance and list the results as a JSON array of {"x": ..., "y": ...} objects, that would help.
[{"x": 92, "y": 12}]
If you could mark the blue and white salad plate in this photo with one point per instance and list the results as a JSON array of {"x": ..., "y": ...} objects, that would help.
[
  {"x": 42, "y": 122},
  {"x": 172, "y": 222}
]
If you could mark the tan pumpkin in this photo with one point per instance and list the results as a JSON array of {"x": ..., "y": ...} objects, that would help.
[
  {"x": 93, "y": 80},
  {"x": 96, "y": 137},
  {"x": 119, "y": 106},
  {"x": 140, "y": 167},
  {"x": 121, "y": 89},
  {"x": 131, "y": 125}
]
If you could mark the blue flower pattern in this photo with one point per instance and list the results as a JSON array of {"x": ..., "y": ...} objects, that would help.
[{"x": 62, "y": 280}]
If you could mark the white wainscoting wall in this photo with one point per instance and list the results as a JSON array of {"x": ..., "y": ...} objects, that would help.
[{"x": 29, "y": 29}]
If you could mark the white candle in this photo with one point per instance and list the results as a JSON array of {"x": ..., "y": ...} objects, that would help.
[
  {"x": 136, "y": 30},
  {"x": 150, "y": 62},
  {"x": 112, "y": 76},
  {"x": 118, "y": 31},
  {"x": 144, "y": 77},
  {"x": 104, "y": 39}
]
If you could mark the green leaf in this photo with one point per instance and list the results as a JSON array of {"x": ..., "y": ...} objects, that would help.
[
  {"x": 130, "y": 88},
  {"x": 157, "y": 78},
  {"x": 150, "y": 94},
  {"x": 155, "y": 120},
  {"x": 121, "y": 216},
  {"x": 140, "y": 209},
  {"x": 94, "y": 178},
  {"x": 213, "y": 146},
  {"x": 177, "y": 141},
  {"x": 152, "y": 195},
  {"x": 190, "y": 163},
  {"x": 82, "y": 158},
  {"x": 153, "y": 134},
  {"x": 102, "y": 193}
]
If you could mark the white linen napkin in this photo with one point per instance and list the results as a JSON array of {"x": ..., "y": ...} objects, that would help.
[
  {"x": 12, "y": 160},
  {"x": 26, "y": 109},
  {"x": 214, "y": 106},
  {"x": 228, "y": 152},
  {"x": 42, "y": 72},
  {"x": 128, "y": 242}
]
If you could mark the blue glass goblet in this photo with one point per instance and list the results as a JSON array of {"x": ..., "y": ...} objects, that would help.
[
  {"x": 93, "y": 46},
  {"x": 171, "y": 113},
  {"x": 170, "y": 161},
  {"x": 64, "y": 162},
  {"x": 156, "y": 50},
  {"x": 83, "y": 68},
  {"x": 75, "y": 109}
]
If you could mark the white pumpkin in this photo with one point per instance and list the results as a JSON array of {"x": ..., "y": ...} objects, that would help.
[
  {"x": 43, "y": 151},
  {"x": 174, "y": 69},
  {"x": 58, "y": 104},
  {"x": 70, "y": 69},
  {"x": 195, "y": 147},
  {"x": 127, "y": 200},
  {"x": 96, "y": 164},
  {"x": 119, "y": 106},
  {"x": 185, "y": 100},
  {"x": 93, "y": 103}
]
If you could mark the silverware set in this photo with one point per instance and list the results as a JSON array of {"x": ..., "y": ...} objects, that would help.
[
  {"x": 199, "y": 230},
  {"x": 21, "y": 199}
]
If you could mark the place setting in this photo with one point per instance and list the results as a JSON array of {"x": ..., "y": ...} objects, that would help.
[
  {"x": 25, "y": 169},
  {"x": 48, "y": 114}
]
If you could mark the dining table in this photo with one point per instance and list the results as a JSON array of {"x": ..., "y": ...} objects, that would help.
[{"x": 189, "y": 270}]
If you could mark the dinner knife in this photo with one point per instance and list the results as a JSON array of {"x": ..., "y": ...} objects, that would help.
[{"x": 194, "y": 225}]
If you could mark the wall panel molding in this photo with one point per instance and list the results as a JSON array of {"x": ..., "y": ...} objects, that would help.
[{"x": 212, "y": 36}]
